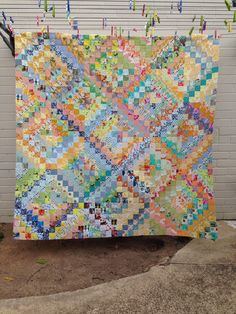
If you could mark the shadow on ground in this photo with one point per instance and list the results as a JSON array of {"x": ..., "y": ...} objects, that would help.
[{"x": 41, "y": 267}]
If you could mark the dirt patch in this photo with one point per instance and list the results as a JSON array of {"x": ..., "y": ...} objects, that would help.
[{"x": 44, "y": 267}]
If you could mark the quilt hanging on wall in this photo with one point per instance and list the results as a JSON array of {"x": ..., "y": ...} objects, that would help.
[{"x": 114, "y": 136}]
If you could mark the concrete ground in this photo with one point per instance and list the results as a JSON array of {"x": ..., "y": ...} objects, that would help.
[{"x": 200, "y": 278}]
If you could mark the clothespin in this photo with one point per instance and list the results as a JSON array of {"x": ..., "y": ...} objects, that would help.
[
  {"x": 204, "y": 26},
  {"x": 234, "y": 19},
  {"x": 191, "y": 31},
  {"x": 130, "y": 4},
  {"x": 194, "y": 18},
  {"x": 158, "y": 19},
  {"x": 152, "y": 32},
  {"x": 37, "y": 20},
  {"x": 45, "y": 5},
  {"x": 134, "y": 5},
  {"x": 75, "y": 24},
  {"x": 153, "y": 21},
  {"x": 148, "y": 10},
  {"x": 115, "y": 31},
  {"x": 69, "y": 20},
  {"x": 39, "y": 3},
  {"x": 43, "y": 18},
  {"x": 104, "y": 22},
  {"x": 230, "y": 27},
  {"x": 228, "y": 5},
  {"x": 53, "y": 10},
  {"x": 225, "y": 22},
  {"x": 10, "y": 28},
  {"x": 180, "y": 6},
  {"x": 143, "y": 10},
  {"x": 43, "y": 30},
  {"x": 4, "y": 16},
  {"x": 68, "y": 8},
  {"x": 146, "y": 28},
  {"x": 120, "y": 31},
  {"x": 112, "y": 30},
  {"x": 201, "y": 20},
  {"x": 48, "y": 30},
  {"x": 175, "y": 37},
  {"x": 128, "y": 34},
  {"x": 155, "y": 15},
  {"x": 216, "y": 35},
  {"x": 171, "y": 7}
]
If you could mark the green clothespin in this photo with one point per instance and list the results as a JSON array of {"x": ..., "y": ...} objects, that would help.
[
  {"x": 234, "y": 19},
  {"x": 201, "y": 20},
  {"x": 155, "y": 15},
  {"x": 191, "y": 31},
  {"x": 53, "y": 10},
  {"x": 158, "y": 20},
  {"x": 225, "y": 22},
  {"x": 148, "y": 10},
  {"x": 134, "y": 5},
  {"x": 228, "y": 5},
  {"x": 147, "y": 28},
  {"x": 120, "y": 31},
  {"x": 46, "y": 5}
]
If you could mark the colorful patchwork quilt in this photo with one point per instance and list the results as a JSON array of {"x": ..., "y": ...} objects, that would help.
[{"x": 114, "y": 136}]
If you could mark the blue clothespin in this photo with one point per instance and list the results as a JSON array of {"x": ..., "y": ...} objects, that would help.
[
  {"x": 130, "y": 4},
  {"x": 180, "y": 6},
  {"x": 68, "y": 8},
  {"x": 4, "y": 16}
]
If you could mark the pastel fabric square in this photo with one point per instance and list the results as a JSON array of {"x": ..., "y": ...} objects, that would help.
[{"x": 114, "y": 136}]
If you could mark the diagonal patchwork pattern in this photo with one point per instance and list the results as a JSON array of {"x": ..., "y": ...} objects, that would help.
[{"x": 114, "y": 136}]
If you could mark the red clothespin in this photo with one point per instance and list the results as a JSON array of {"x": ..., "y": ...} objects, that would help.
[
  {"x": 143, "y": 11},
  {"x": 37, "y": 20}
]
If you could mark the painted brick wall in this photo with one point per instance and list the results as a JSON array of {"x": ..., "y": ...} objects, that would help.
[{"x": 90, "y": 14}]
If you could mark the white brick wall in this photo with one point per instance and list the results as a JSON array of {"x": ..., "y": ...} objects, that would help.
[{"x": 25, "y": 12}]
